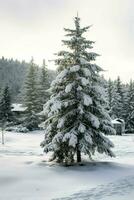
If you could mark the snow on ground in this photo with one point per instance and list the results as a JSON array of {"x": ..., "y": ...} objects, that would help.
[{"x": 25, "y": 174}]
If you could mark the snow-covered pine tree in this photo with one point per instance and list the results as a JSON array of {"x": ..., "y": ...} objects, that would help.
[
  {"x": 44, "y": 84},
  {"x": 31, "y": 98},
  {"x": 110, "y": 95},
  {"x": 130, "y": 108},
  {"x": 6, "y": 114},
  {"x": 77, "y": 121},
  {"x": 118, "y": 102}
]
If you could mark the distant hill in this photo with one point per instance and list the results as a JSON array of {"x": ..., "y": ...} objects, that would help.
[{"x": 13, "y": 73}]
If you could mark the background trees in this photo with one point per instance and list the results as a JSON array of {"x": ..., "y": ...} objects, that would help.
[
  {"x": 43, "y": 85},
  {"x": 14, "y": 73},
  {"x": 130, "y": 108},
  {"x": 31, "y": 98},
  {"x": 6, "y": 114}
]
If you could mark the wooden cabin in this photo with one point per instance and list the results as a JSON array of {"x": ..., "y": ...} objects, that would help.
[
  {"x": 18, "y": 110},
  {"x": 119, "y": 126}
]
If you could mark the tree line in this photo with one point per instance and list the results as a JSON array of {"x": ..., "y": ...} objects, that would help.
[
  {"x": 120, "y": 101},
  {"x": 33, "y": 96},
  {"x": 13, "y": 74}
]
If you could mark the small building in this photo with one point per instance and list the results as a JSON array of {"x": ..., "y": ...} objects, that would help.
[
  {"x": 119, "y": 126},
  {"x": 18, "y": 110}
]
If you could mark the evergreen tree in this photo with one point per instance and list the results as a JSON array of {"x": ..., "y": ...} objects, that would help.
[
  {"x": 6, "y": 114},
  {"x": 77, "y": 120},
  {"x": 125, "y": 90},
  {"x": 130, "y": 108},
  {"x": 118, "y": 103},
  {"x": 31, "y": 98},
  {"x": 43, "y": 86},
  {"x": 110, "y": 95}
]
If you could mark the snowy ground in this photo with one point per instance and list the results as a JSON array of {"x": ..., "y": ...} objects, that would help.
[{"x": 24, "y": 174}]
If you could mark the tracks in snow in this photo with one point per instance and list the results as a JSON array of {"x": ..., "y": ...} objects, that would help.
[{"x": 119, "y": 188}]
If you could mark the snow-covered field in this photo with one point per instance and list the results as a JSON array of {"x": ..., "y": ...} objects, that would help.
[{"x": 25, "y": 174}]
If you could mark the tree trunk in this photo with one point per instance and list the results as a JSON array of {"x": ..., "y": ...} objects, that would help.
[
  {"x": 78, "y": 156},
  {"x": 3, "y": 142}
]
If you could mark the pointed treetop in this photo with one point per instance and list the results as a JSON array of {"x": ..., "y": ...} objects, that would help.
[
  {"x": 77, "y": 14},
  {"x": 44, "y": 62},
  {"x": 32, "y": 60}
]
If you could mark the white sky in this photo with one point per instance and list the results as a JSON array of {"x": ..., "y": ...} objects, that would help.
[{"x": 35, "y": 28}]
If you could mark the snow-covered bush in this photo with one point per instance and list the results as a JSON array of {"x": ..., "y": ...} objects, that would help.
[{"x": 20, "y": 129}]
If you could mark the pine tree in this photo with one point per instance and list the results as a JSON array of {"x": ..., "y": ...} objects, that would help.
[
  {"x": 130, "y": 108},
  {"x": 77, "y": 121},
  {"x": 31, "y": 98},
  {"x": 43, "y": 86},
  {"x": 6, "y": 114},
  {"x": 120, "y": 91},
  {"x": 118, "y": 102},
  {"x": 110, "y": 95}
]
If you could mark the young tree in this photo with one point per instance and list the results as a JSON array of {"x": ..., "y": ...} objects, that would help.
[
  {"x": 31, "y": 98},
  {"x": 44, "y": 84},
  {"x": 77, "y": 120},
  {"x": 6, "y": 114}
]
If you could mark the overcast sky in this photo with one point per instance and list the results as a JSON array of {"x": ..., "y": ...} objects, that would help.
[{"x": 35, "y": 28}]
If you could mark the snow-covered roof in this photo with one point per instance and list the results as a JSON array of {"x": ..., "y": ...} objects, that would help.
[
  {"x": 117, "y": 121},
  {"x": 17, "y": 107}
]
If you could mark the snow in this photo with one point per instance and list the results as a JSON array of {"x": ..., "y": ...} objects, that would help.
[
  {"x": 82, "y": 128},
  {"x": 56, "y": 106},
  {"x": 17, "y": 107},
  {"x": 69, "y": 87},
  {"x": 25, "y": 173},
  {"x": 71, "y": 137},
  {"x": 94, "y": 120},
  {"x": 73, "y": 140},
  {"x": 87, "y": 100},
  {"x": 57, "y": 138},
  {"x": 59, "y": 77},
  {"x": 79, "y": 88},
  {"x": 100, "y": 90},
  {"x": 86, "y": 72},
  {"x": 66, "y": 137},
  {"x": 75, "y": 68},
  {"x": 66, "y": 104},
  {"x": 84, "y": 81},
  {"x": 61, "y": 123},
  {"x": 83, "y": 61},
  {"x": 114, "y": 121},
  {"x": 88, "y": 138},
  {"x": 117, "y": 121}
]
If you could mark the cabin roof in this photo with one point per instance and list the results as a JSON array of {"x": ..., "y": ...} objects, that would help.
[
  {"x": 117, "y": 121},
  {"x": 17, "y": 107}
]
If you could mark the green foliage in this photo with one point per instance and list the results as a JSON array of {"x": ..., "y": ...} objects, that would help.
[
  {"x": 130, "y": 108},
  {"x": 6, "y": 114},
  {"x": 31, "y": 98},
  {"x": 14, "y": 73},
  {"x": 43, "y": 85}
]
